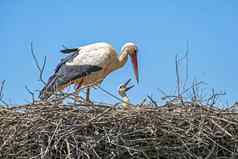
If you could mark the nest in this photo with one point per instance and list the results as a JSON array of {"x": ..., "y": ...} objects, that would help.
[{"x": 48, "y": 131}]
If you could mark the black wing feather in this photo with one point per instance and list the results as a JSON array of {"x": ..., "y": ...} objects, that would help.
[
  {"x": 64, "y": 74},
  {"x": 69, "y": 50},
  {"x": 71, "y": 73},
  {"x": 68, "y": 58}
]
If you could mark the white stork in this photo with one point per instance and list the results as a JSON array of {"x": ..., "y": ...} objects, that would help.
[{"x": 88, "y": 65}]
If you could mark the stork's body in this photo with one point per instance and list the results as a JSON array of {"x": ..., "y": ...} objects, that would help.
[
  {"x": 87, "y": 66},
  {"x": 99, "y": 54}
]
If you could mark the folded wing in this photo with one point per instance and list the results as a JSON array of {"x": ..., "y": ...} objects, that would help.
[{"x": 65, "y": 74}]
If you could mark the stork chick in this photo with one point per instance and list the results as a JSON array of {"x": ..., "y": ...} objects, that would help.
[{"x": 122, "y": 92}]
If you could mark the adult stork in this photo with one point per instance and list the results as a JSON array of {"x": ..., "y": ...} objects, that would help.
[{"x": 87, "y": 66}]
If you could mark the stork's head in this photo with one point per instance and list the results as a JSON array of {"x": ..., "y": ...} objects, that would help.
[{"x": 131, "y": 48}]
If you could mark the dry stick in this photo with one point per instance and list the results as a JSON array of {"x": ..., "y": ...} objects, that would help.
[
  {"x": 68, "y": 150},
  {"x": 177, "y": 76},
  {"x": 165, "y": 95},
  {"x": 9, "y": 139},
  {"x": 225, "y": 120},
  {"x": 1, "y": 88},
  {"x": 221, "y": 128},
  {"x": 96, "y": 154},
  {"x": 179, "y": 83},
  {"x": 153, "y": 101},
  {"x": 119, "y": 99},
  {"x": 31, "y": 93},
  {"x": 219, "y": 145},
  {"x": 1, "y": 93},
  {"x": 187, "y": 150},
  {"x": 162, "y": 92},
  {"x": 40, "y": 69},
  {"x": 214, "y": 97},
  {"x": 51, "y": 138},
  {"x": 211, "y": 151},
  {"x": 186, "y": 62},
  {"x": 101, "y": 114},
  {"x": 129, "y": 149},
  {"x": 195, "y": 84},
  {"x": 195, "y": 90},
  {"x": 177, "y": 65}
]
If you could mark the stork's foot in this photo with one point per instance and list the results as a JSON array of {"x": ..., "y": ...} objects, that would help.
[
  {"x": 88, "y": 103},
  {"x": 78, "y": 98},
  {"x": 84, "y": 101},
  {"x": 87, "y": 99}
]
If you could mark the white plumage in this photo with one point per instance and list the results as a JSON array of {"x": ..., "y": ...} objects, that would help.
[
  {"x": 99, "y": 54},
  {"x": 88, "y": 65}
]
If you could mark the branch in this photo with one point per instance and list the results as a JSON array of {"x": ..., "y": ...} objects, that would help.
[
  {"x": 40, "y": 69},
  {"x": 1, "y": 93},
  {"x": 186, "y": 63},
  {"x": 1, "y": 88},
  {"x": 31, "y": 93},
  {"x": 213, "y": 98},
  {"x": 194, "y": 85},
  {"x": 153, "y": 101},
  {"x": 177, "y": 75}
]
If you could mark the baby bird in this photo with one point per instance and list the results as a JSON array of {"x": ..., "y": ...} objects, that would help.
[{"x": 122, "y": 92}]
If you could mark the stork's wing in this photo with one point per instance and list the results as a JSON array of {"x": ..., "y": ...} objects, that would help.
[
  {"x": 68, "y": 58},
  {"x": 70, "y": 73},
  {"x": 66, "y": 73}
]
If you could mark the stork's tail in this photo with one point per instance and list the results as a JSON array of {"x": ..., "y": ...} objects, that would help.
[
  {"x": 49, "y": 89},
  {"x": 69, "y": 50}
]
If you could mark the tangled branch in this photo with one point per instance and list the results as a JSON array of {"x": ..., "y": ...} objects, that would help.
[{"x": 44, "y": 130}]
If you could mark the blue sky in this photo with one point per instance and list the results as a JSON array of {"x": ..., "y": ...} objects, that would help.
[{"x": 161, "y": 30}]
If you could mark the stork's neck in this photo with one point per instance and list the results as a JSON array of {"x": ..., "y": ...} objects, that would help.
[{"x": 122, "y": 58}]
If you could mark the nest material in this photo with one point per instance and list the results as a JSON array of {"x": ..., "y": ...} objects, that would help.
[{"x": 46, "y": 131}]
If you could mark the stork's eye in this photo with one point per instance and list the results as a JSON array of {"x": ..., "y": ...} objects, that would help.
[{"x": 136, "y": 49}]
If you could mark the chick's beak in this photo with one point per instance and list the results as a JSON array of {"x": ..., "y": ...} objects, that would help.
[{"x": 135, "y": 66}]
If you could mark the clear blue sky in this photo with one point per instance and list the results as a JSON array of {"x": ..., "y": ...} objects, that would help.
[{"x": 160, "y": 28}]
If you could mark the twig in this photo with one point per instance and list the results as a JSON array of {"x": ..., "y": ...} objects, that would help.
[
  {"x": 211, "y": 152},
  {"x": 1, "y": 88},
  {"x": 51, "y": 138},
  {"x": 31, "y": 93},
  {"x": 213, "y": 98},
  {"x": 153, "y": 101},
  {"x": 40, "y": 69},
  {"x": 1, "y": 93},
  {"x": 110, "y": 94},
  {"x": 186, "y": 62},
  {"x": 194, "y": 85},
  {"x": 177, "y": 75},
  {"x": 101, "y": 114},
  {"x": 221, "y": 128}
]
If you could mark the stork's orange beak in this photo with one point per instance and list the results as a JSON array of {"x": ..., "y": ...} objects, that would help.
[{"x": 135, "y": 65}]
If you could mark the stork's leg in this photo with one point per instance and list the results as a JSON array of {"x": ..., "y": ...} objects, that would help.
[
  {"x": 77, "y": 90},
  {"x": 77, "y": 93},
  {"x": 88, "y": 95}
]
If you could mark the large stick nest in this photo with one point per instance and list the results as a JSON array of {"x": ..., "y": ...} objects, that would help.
[{"x": 45, "y": 130}]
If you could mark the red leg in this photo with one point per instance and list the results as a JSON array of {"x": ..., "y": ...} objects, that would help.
[{"x": 78, "y": 85}]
